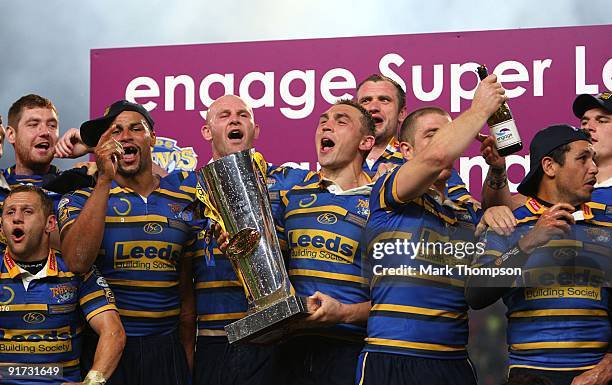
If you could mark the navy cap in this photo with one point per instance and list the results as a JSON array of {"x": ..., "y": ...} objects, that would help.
[
  {"x": 585, "y": 102},
  {"x": 92, "y": 130},
  {"x": 543, "y": 143}
]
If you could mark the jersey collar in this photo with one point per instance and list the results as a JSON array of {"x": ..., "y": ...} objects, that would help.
[
  {"x": 538, "y": 206},
  {"x": 14, "y": 270}
]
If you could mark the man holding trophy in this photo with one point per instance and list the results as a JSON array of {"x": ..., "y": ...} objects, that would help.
[
  {"x": 344, "y": 136},
  {"x": 220, "y": 297},
  {"x": 321, "y": 224}
]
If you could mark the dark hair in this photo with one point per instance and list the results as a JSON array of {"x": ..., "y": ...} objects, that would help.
[
  {"x": 401, "y": 94},
  {"x": 27, "y": 101},
  {"x": 45, "y": 202},
  {"x": 558, "y": 154},
  {"x": 408, "y": 126},
  {"x": 367, "y": 122}
]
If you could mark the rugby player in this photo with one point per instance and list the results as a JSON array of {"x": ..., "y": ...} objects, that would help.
[
  {"x": 32, "y": 130},
  {"x": 220, "y": 299},
  {"x": 558, "y": 315},
  {"x": 417, "y": 329},
  {"x": 321, "y": 223},
  {"x": 44, "y": 305},
  {"x": 132, "y": 226}
]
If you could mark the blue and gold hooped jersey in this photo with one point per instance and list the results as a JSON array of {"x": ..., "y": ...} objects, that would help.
[
  {"x": 220, "y": 298},
  {"x": 558, "y": 318},
  {"x": 418, "y": 308},
  {"x": 144, "y": 241},
  {"x": 456, "y": 189},
  {"x": 42, "y": 325},
  {"x": 322, "y": 232},
  {"x": 14, "y": 180},
  {"x": 391, "y": 155}
]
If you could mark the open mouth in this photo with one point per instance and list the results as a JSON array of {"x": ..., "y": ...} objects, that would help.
[
  {"x": 42, "y": 146},
  {"x": 235, "y": 135},
  {"x": 327, "y": 144},
  {"x": 377, "y": 120},
  {"x": 129, "y": 153},
  {"x": 18, "y": 235}
]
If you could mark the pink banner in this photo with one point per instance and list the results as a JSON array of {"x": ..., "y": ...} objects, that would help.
[{"x": 290, "y": 83}]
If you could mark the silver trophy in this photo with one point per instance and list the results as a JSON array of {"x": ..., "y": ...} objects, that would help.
[{"x": 237, "y": 189}]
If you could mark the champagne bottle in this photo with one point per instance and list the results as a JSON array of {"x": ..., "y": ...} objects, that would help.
[{"x": 507, "y": 138}]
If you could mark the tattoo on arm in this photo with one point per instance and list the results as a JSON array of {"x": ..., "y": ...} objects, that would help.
[{"x": 497, "y": 178}]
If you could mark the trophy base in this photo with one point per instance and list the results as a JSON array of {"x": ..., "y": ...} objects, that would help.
[{"x": 267, "y": 325}]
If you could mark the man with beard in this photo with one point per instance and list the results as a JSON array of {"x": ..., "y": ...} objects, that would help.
[
  {"x": 132, "y": 227},
  {"x": 321, "y": 223},
  {"x": 559, "y": 311},
  {"x": 44, "y": 305},
  {"x": 595, "y": 114},
  {"x": 33, "y": 129},
  {"x": 417, "y": 328},
  {"x": 230, "y": 127}
]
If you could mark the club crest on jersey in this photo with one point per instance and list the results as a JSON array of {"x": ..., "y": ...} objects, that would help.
[
  {"x": 363, "y": 207},
  {"x": 327, "y": 219},
  {"x": 598, "y": 235},
  {"x": 63, "y": 292},
  {"x": 171, "y": 157}
]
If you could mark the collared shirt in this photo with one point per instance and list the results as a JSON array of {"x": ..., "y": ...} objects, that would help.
[
  {"x": 419, "y": 313},
  {"x": 321, "y": 227},
  {"x": 43, "y": 315},
  {"x": 144, "y": 241},
  {"x": 558, "y": 316}
]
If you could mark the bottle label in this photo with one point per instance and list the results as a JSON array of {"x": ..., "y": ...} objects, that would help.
[{"x": 506, "y": 134}]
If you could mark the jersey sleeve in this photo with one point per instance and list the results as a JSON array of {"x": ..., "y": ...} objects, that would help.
[
  {"x": 384, "y": 192},
  {"x": 456, "y": 189},
  {"x": 70, "y": 207},
  {"x": 95, "y": 296}
]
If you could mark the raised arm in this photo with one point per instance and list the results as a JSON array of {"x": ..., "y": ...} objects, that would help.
[
  {"x": 81, "y": 239},
  {"x": 449, "y": 142}
]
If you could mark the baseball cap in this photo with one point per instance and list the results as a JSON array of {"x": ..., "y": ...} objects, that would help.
[
  {"x": 543, "y": 143},
  {"x": 585, "y": 102},
  {"x": 92, "y": 130}
]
